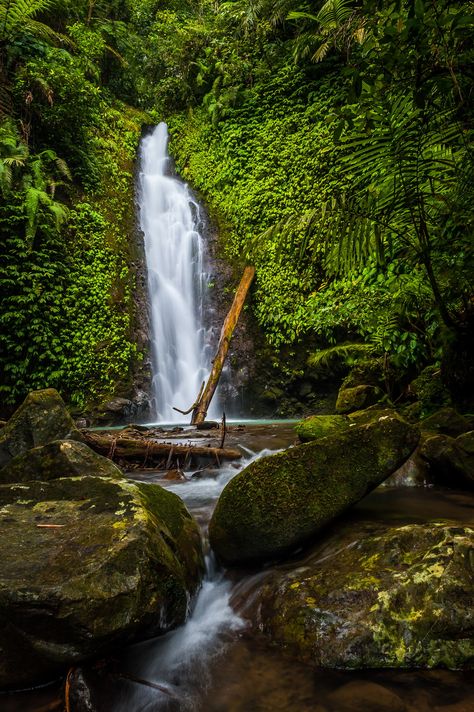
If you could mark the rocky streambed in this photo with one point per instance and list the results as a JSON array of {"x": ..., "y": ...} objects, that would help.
[{"x": 369, "y": 607}]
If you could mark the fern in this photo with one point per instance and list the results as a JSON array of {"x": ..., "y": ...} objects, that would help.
[{"x": 334, "y": 358}]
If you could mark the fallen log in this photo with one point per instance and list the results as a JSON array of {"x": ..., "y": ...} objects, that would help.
[
  {"x": 120, "y": 448},
  {"x": 205, "y": 396}
]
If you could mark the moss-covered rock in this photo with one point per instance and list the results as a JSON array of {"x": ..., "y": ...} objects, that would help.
[
  {"x": 430, "y": 391},
  {"x": 278, "y": 502},
  {"x": 87, "y": 563},
  {"x": 41, "y": 418},
  {"x": 319, "y": 426},
  {"x": 400, "y": 597},
  {"x": 357, "y": 398},
  {"x": 446, "y": 421},
  {"x": 60, "y": 458},
  {"x": 450, "y": 460}
]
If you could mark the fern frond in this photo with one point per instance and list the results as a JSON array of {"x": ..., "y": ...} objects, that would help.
[{"x": 335, "y": 357}]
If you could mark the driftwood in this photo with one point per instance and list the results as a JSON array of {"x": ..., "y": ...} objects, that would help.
[
  {"x": 146, "y": 450},
  {"x": 203, "y": 400}
]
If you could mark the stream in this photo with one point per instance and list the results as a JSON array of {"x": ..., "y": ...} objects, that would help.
[{"x": 219, "y": 662}]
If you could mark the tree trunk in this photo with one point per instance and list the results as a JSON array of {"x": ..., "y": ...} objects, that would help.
[
  {"x": 144, "y": 449},
  {"x": 202, "y": 404}
]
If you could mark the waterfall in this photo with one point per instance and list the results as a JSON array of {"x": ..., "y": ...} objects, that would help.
[{"x": 177, "y": 280}]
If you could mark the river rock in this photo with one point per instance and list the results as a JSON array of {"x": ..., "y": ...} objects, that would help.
[
  {"x": 41, "y": 418},
  {"x": 357, "y": 398},
  {"x": 60, "y": 458},
  {"x": 278, "y": 502},
  {"x": 319, "y": 426},
  {"x": 400, "y": 597},
  {"x": 450, "y": 460},
  {"x": 365, "y": 696},
  {"x": 89, "y": 563}
]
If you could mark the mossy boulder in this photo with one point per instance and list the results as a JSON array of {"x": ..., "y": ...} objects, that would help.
[
  {"x": 60, "y": 458},
  {"x": 400, "y": 597},
  {"x": 430, "y": 391},
  {"x": 450, "y": 460},
  {"x": 88, "y": 563},
  {"x": 41, "y": 418},
  {"x": 357, "y": 398},
  {"x": 319, "y": 426},
  {"x": 278, "y": 502},
  {"x": 446, "y": 421}
]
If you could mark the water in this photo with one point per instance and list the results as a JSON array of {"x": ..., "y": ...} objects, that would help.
[
  {"x": 177, "y": 281},
  {"x": 217, "y": 662}
]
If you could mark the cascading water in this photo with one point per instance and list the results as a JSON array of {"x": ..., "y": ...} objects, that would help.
[{"x": 169, "y": 218}]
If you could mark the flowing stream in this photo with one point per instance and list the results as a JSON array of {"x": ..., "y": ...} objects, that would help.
[
  {"x": 217, "y": 662},
  {"x": 177, "y": 281}
]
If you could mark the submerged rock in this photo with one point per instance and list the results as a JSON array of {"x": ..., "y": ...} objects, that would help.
[
  {"x": 365, "y": 696},
  {"x": 88, "y": 563},
  {"x": 60, "y": 458},
  {"x": 279, "y": 502},
  {"x": 356, "y": 398},
  {"x": 41, "y": 418},
  {"x": 319, "y": 426},
  {"x": 401, "y": 597}
]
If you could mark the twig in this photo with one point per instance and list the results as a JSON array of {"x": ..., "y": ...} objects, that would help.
[{"x": 224, "y": 431}]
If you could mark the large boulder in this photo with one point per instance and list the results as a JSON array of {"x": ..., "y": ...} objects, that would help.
[
  {"x": 400, "y": 597},
  {"x": 446, "y": 421},
  {"x": 357, "y": 397},
  {"x": 88, "y": 563},
  {"x": 60, "y": 458},
  {"x": 450, "y": 460},
  {"x": 41, "y": 418},
  {"x": 319, "y": 426},
  {"x": 278, "y": 502}
]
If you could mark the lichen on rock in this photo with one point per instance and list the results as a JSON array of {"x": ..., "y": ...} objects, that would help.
[
  {"x": 89, "y": 562},
  {"x": 395, "y": 598}
]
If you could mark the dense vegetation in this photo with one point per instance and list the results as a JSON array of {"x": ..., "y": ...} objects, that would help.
[{"x": 332, "y": 142}]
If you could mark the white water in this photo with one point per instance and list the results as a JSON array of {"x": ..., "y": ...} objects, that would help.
[{"x": 177, "y": 280}]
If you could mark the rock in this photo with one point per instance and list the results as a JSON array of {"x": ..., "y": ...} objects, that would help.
[
  {"x": 278, "y": 502},
  {"x": 413, "y": 473},
  {"x": 364, "y": 696},
  {"x": 446, "y": 421},
  {"x": 429, "y": 390},
  {"x": 396, "y": 597},
  {"x": 207, "y": 425},
  {"x": 450, "y": 460},
  {"x": 89, "y": 563},
  {"x": 41, "y": 418},
  {"x": 175, "y": 475},
  {"x": 61, "y": 458},
  {"x": 369, "y": 371},
  {"x": 319, "y": 426},
  {"x": 357, "y": 398}
]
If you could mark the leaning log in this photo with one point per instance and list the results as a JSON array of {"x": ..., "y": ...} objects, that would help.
[
  {"x": 149, "y": 451},
  {"x": 203, "y": 402}
]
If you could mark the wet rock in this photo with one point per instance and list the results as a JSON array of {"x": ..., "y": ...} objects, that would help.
[
  {"x": 41, "y": 418},
  {"x": 79, "y": 696},
  {"x": 61, "y": 458},
  {"x": 363, "y": 696},
  {"x": 400, "y": 597},
  {"x": 206, "y": 472},
  {"x": 89, "y": 563},
  {"x": 446, "y": 421},
  {"x": 357, "y": 398},
  {"x": 208, "y": 425},
  {"x": 450, "y": 460},
  {"x": 175, "y": 475},
  {"x": 279, "y": 502},
  {"x": 319, "y": 426}
]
